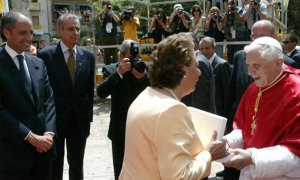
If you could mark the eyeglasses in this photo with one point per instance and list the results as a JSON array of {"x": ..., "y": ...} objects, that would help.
[
  {"x": 197, "y": 10},
  {"x": 286, "y": 42}
]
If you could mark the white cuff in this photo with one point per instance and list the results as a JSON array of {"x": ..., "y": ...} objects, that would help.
[
  {"x": 274, "y": 162},
  {"x": 235, "y": 139}
]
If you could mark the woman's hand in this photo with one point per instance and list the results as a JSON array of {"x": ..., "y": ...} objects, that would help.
[{"x": 217, "y": 148}]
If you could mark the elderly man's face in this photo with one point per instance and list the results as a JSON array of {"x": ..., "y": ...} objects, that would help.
[{"x": 263, "y": 71}]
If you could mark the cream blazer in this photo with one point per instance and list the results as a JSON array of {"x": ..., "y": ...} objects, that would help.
[{"x": 161, "y": 142}]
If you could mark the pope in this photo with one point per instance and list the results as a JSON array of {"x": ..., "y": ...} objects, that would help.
[{"x": 265, "y": 142}]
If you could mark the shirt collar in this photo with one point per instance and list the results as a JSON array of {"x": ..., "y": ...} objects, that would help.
[
  {"x": 212, "y": 58},
  {"x": 12, "y": 52},
  {"x": 289, "y": 53},
  {"x": 64, "y": 48}
]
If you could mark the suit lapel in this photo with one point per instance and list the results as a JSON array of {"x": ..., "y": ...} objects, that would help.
[
  {"x": 14, "y": 73},
  {"x": 80, "y": 61},
  {"x": 214, "y": 62},
  {"x": 33, "y": 69},
  {"x": 293, "y": 53},
  {"x": 247, "y": 78}
]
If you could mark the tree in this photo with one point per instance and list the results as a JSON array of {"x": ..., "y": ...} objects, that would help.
[{"x": 293, "y": 16}]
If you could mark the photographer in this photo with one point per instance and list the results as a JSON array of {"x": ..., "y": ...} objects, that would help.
[
  {"x": 123, "y": 82},
  {"x": 198, "y": 21},
  {"x": 130, "y": 23},
  {"x": 213, "y": 28},
  {"x": 109, "y": 19},
  {"x": 254, "y": 11},
  {"x": 234, "y": 28},
  {"x": 180, "y": 20},
  {"x": 159, "y": 26}
]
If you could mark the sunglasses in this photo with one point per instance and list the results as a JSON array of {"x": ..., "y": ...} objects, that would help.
[
  {"x": 286, "y": 42},
  {"x": 198, "y": 10}
]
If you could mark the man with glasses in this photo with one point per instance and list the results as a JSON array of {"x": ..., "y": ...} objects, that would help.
[
  {"x": 290, "y": 42},
  {"x": 240, "y": 80}
]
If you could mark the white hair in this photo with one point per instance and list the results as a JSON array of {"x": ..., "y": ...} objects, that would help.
[{"x": 265, "y": 51}]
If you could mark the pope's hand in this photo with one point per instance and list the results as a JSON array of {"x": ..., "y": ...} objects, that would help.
[{"x": 241, "y": 158}]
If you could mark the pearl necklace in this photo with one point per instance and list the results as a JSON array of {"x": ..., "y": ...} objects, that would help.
[{"x": 171, "y": 92}]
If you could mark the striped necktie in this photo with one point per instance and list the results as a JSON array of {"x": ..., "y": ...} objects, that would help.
[{"x": 72, "y": 66}]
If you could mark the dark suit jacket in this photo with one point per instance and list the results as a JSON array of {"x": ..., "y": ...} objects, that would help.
[
  {"x": 21, "y": 112},
  {"x": 295, "y": 55},
  {"x": 123, "y": 92},
  {"x": 75, "y": 105},
  {"x": 222, "y": 73},
  {"x": 204, "y": 95},
  {"x": 239, "y": 82}
]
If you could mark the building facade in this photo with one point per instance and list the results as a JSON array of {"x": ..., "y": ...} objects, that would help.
[{"x": 44, "y": 14}]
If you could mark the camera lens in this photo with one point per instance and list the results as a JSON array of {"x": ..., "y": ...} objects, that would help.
[
  {"x": 159, "y": 17},
  {"x": 216, "y": 15}
]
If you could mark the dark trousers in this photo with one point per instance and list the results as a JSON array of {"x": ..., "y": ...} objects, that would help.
[
  {"x": 75, "y": 146},
  {"x": 39, "y": 171},
  {"x": 110, "y": 54},
  {"x": 118, "y": 155},
  {"x": 231, "y": 174}
]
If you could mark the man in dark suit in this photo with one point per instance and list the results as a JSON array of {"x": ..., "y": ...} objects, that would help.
[
  {"x": 240, "y": 80},
  {"x": 27, "y": 110},
  {"x": 290, "y": 42},
  {"x": 123, "y": 83},
  {"x": 221, "y": 69},
  {"x": 204, "y": 95},
  {"x": 71, "y": 73}
]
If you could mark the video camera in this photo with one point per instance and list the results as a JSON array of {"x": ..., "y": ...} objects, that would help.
[
  {"x": 136, "y": 63},
  {"x": 127, "y": 13}
]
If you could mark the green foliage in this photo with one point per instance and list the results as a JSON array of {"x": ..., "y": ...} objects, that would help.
[
  {"x": 293, "y": 16},
  {"x": 85, "y": 33}
]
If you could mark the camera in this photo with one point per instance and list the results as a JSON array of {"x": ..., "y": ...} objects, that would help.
[
  {"x": 159, "y": 17},
  {"x": 216, "y": 16},
  {"x": 127, "y": 13},
  {"x": 232, "y": 7},
  {"x": 136, "y": 63},
  {"x": 256, "y": 2},
  {"x": 180, "y": 11},
  {"x": 107, "y": 4}
]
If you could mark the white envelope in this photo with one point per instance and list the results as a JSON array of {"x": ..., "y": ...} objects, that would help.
[{"x": 206, "y": 122}]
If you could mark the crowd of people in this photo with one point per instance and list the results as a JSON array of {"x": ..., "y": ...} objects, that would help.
[
  {"x": 46, "y": 97},
  {"x": 229, "y": 20}
]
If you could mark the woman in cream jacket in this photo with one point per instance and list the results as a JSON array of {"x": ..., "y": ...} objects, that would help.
[{"x": 161, "y": 142}]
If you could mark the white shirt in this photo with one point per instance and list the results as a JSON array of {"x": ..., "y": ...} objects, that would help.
[
  {"x": 66, "y": 52},
  {"x": 211, "y": 59},
  {"x": 269, "y": 163},
  {"x": 13, "y": 54}
]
